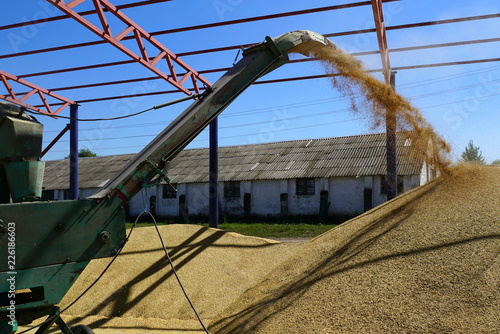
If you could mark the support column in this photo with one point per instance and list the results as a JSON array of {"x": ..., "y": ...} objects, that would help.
[
  {"x": 390, "y": 123},
  {"x": 73, "y": 152},
  {"x": 213, "y": 195}
]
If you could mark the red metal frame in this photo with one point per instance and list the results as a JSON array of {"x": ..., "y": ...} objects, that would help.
[
  {"x": 390, "y": 117},
  {"x": 161, "y": 52},
  {"x": 378, "y": 16},
  {"x": 35, "y": 90}
]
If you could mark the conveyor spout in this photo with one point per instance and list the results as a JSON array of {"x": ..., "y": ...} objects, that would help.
[{"x": 256, "y": 62}]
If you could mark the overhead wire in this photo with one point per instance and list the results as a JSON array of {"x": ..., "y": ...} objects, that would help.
[
  {"x": 314, "y": 102},
  {"x": 330, "y": 112},
  {"x": 240, "y": 135},
  {"x": 291, "y": 79},
  {"x": 323, "y": 101},
  {"x": 233, "y": 114},
  {"x": 448, "y": 77},
  {"x": 249, "y": 134},
  {"x": 289, "y": 128}
]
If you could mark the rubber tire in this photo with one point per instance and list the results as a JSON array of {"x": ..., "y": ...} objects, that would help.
[{"x": 81, "y": 329}]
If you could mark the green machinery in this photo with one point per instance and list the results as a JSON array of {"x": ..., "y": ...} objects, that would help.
[{"x": 47, "y": 244}]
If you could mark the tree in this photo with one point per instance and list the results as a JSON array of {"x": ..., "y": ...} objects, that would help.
[
  {"x": 84, "y": 153},
  {"x": 472, "y": 154},
  {"x": 496, "y": 162}
]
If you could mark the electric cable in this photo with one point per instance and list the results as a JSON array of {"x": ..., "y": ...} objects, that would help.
[
  {"x": 290, "y": 129},
  {"x": 308, "y": 116},
  {"x": 93, "y": 283},
  {"x": 166, "y": 104},
  {"x": 88, "y": 119},
  {"x": 176, "y": 275}
]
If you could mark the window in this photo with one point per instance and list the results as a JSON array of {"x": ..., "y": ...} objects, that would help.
[
  {"x": 168, "y": 190},
  {"x": 232, "y": 189},
  {"x": 305, "y": 187}
]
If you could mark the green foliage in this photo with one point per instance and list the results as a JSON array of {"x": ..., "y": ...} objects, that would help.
[
  {"x": 472, "y": 154},
  {"x": 276, "y": 230},
  {"x": 264, "y": 230},
  {"x": 496, "y": 162},
  {"x": 84, "y": 153}
]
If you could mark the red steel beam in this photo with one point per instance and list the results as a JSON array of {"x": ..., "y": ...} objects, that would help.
[
  {"x": 20, "y": 98},
  {"x": 223, "y": 69},
  {"x": 202, "y": 26},
  {"x": 390, "y": 117},
  {"x": 378, "y": 16},
  {"x": 141, "y": 36},
  {"x": 235, "y": 47}
]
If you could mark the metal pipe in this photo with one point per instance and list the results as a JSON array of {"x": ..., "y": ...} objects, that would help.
[
  {"x": 55, "y": 140},
  {"x": 73, "y": 152}
]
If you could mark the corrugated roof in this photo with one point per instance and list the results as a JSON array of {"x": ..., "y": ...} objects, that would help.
[{"x": 319, "y": 158}]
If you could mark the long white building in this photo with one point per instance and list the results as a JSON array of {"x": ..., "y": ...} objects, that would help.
[{"x": 331, "y": 176}]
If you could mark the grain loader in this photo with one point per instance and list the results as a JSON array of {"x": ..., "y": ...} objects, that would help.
[{"x": 47, "y": 244}]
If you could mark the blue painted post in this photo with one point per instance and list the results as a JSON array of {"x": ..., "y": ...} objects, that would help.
[
  {"x": 392, "y": 174},
  {"x": 213, "y": 205},
  {"x": 73, "y": 152}
]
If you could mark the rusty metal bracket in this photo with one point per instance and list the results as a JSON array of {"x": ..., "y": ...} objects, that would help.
[{"x": 160, "y": 173}]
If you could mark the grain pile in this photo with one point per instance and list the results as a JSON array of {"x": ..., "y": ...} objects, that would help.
[
  {"x": 216, "y": 267},
  {"x": 427, "y": 262}
]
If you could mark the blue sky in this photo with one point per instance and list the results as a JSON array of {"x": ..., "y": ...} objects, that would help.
[{"x": 461, "y": 102}]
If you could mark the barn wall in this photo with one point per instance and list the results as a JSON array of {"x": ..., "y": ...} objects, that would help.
[
  {"x": 344, "y": 196},
  {"x": 266, "y": 197},
  {"x": 303, "y": 204}
]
